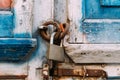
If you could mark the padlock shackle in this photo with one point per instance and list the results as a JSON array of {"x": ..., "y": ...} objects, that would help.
[
  {"x": 52, "y": 38},
  {"x": 43, "y": 29}
]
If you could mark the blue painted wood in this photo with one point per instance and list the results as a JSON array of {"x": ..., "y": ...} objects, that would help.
[
  {"x": 110, "y": 2},
  {"x": 101, "y": 32},
  {"x": 22, "y": 35},
  {"x": 94, "y": 10},
  {"x": 6, "y": 25},
  {"x": 15, "y": 49}
]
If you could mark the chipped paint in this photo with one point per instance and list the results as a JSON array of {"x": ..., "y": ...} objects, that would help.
[
  {"x": 96, "y": 11},
  {"x": 97, "y": 23},
  {"x": 23, "y": 18},
  {"x": 43, "y": 10},
  {"x": 6, "y": 24},
  {"x": 101, "y": 31},
  {"x": 110, "y": 2},
  {"x": 75, "y": 15}
]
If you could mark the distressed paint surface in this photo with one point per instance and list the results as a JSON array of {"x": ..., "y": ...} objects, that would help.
[
  {"x": 6, "y": 24},
  {"x": 15, "y": 49},
  {"x": 95, "y": 11},
  {"x": 110, "y": 2},
  {"x": 43, "y": 10},
  {"x": 93, "y": 53},
  {"x": 13, "y": 69},
  {"x": 60, "y": 10},
  {"x": 23, "y": 18},
  {"x": 18, "y": 48},
  {"x": 75, "y": 15},
  {"x": 101, "y": 30}
]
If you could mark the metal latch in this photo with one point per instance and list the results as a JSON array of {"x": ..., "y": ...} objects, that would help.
[{"x": 80, "y": 73}]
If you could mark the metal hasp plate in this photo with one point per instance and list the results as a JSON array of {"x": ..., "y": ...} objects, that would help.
[
  {"x": 16, "y": 49},
  {"x": 110, "y": 2},
  {"x": 13, "y": 77},
  {"x": 80, "y": 73}
]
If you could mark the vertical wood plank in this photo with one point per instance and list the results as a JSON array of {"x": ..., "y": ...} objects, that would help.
[
  {"x": 75, "y": 16},
  {"x": 43, "y": 11},
  {"x": 60, "y": 10},
  {"x": 23, "y": 17}
]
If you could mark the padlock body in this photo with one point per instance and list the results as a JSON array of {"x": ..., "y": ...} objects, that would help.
[{"x": 56, "y": 53}]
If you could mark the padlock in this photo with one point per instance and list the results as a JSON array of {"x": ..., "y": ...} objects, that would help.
[{"x": 55, "y": 52}]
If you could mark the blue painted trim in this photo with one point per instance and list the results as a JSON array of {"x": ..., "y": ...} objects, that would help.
[
  {"x": 16, "y": 49},
  {"x": 22, "y": 35},
  {"x": 94, "y": 10},
  {"x": 6, "y": 24},
  {"x": 110, "y": 2},
  {"x": 101, "y": 32}
]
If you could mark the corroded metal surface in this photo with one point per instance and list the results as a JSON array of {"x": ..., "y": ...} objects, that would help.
[
  {"x": 13, "y": 77},
  {"x": 80, "y": 73}
]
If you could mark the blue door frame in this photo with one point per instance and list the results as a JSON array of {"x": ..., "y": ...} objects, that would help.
[{"x": 101, "y": 20}]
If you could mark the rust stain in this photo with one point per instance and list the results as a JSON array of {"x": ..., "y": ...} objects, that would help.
[
  {"x": 13, "y": 76},
  {"x": 80, "y": 73}
]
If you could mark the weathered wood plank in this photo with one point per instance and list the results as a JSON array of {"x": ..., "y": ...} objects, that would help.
[
  {"x": 60, "y": 11},
  {"x": 13, "y": 69},
  {"x": 93, "y": 53},
  {"x": 101, "y": 30},
  {"x": 6, "y": 24},
  {"x": 75, "y": 15},
  {"x": 43, "y": 11},
  {"x": 23, "y": 18}
]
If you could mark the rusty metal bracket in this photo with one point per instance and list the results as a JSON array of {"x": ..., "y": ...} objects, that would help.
[
  {"x": 45, "y": 72},
  {"x": 80, "y": 73},
  {"x": 95, "y": 73}
]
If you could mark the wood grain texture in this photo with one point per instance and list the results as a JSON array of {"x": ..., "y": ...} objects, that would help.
[
  {"x": 75, "y": 15},
  {"x": 60, "y": 11},
  {"x": 23, "y": 18}
]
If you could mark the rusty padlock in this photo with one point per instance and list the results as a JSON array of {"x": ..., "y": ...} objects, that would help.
[{"x": 55, "y": 52}]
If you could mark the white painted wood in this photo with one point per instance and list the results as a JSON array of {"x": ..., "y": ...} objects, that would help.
[
  {"x": 93, "y": 53},
  {"x": 43, "y": 11},
  {"x": 23, "y": 16},
  {"x": 60, "y": 11},
  {"x": 13, "y": 69},
  {"x": 75, "y": 15}
]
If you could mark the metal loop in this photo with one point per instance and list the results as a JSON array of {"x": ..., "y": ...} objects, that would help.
[
  {"x": 59, "y": 33},
  {"x": 43, "y": 32},
  {"x": 65, "y": 31}
]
